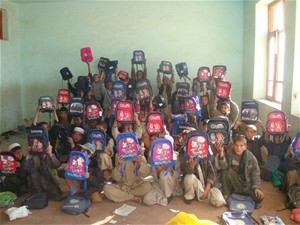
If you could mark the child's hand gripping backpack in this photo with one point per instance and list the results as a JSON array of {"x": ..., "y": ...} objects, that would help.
[
  {"x": 76, "y": 107},
  {"x": 98, "y": 139},
  {"x": 127, "y": 145},
  {"x": 125, "y": 112},
  {"x": 165, "y": 67},
  {"x": 183, "y": 89},
  {"x": 296, "y": 146},
  {"x": 219, "y": 71},
  {"x": 93, "y": 110},
  {"x": 219, "y": 130},
  {"x": 223, "y": 89},
  {"x": 38, "y": 140},
  {"x": 249, "y": 114},
  {"x": 46, "y": 103},
  {"x": 63, "y": 96},
  {"x": 66, "y": 73},
  {"x": 182, "y": 70},
  {"x": 277, "y": 123},
  {"x": 86, "y": 54},
  {"x": 192, "y": 105},
  {"x": 7, "y": 163},
  {"x": 118, "y": 89},
  {"x": 138, "y": 57},
  {"x": 144, "y": 89},
  {"x": 197, "y": 144},
  {"x": 161, "y": 153},
  {"x": 155, "y": 123}
]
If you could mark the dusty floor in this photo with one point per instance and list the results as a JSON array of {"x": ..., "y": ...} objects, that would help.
[{"x": 102, "y": 213}]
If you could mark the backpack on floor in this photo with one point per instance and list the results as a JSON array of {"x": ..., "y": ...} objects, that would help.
[
  {"x": 38, "y": 140},
  {"x": 123, "y": 76},
  {"x": 238, "y": 202},
  {"x": 127, "y": 145},
  {"x": 183, "y": 89},
  {"x": 155, "y": 123},
  {"x": 46, "y": 103},
  {"x": 192, "y": 105},
  {"x": 203, "y": 73},
  {"x": 98, "y": 139},
  {"x": 276, "y": 123},
  {"x": 83, "y": 83},
  {"x": 219, "y": 71},
  {"x": 7, "y": 198},
  {"x": 296, "y": 146},
  {"x": 66, "y": 73},
  {"x": 86, "y": 54},
  {"x": 223, "y": 89},
  {"x": 93, "y": 110},
  {"x": 197, "y": 144},
  {"x": 161, "y": 152},
  {"x": 165, "y": 67},
  {"x": 182, "y": 69},
  {"x": 219, "y": 130},
  {"x": 113, "y": 106},
  {"x": 238, "y": 217},
  {"x": 76, "y": 107},
  {"x": 177, "y": 119},
  {"x": 7, "y": 163},
  {"x": 102, "y": 63},
  {"x": 295, "y": 215},
  {"x": 271, "y": 220},
  {"x": 125, "y": 112},
  {"x": 76, "y": 204},
  {"x": 143, "y": 89},
  {"x": 138, "y": 57},
  {"x": 293, "y": 197},
  {"x": 249, "y": 114},
  {"x": 36, "y": 201},
  {"x": 118, "y": 89},
  {"x": 63, "y": 96}
]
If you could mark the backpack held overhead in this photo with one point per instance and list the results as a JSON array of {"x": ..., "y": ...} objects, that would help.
[
  {"x": 138, "y": 57},
  {"x": 204, "y": 73},
  {"x": 143, "y": 89},
  {"x": 249, "y": 114},
  {"x": 219, "y": 130},
  {"x": 86, "y": 54},
  {"x": 154, "y": 123},
  {"x": 118, "y": 89},
  {"x": 183, "y": 89},
  {"x": 93, "y": 110},
  {"x": 76, "y": 107},
  {"x": 161, "y": 152},
  {"x": 98, "y": 139},
  {"x": 63, "y": 96},
  {"x": 46, "y": 103},
  {"x": 66, "y": 73},
  {"x": 127, "y": 145},
  {"x": 296, "y": 146},
  {"x": 182, "y": 70},
  {"x": 219, "y": 71},
  {"x": 165, "y": 67},
  {"x": 125, "y": 112},
  {"x": 38, "y": 140},
  {"x": 277, "y": 123},
  {"x": 223, "y": 89},
  {"x": 197, "y": 144}
]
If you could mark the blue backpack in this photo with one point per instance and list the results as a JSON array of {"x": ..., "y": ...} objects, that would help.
[
  {"x": 144, "y": 89},
  {"x": 38, "y": 140},
  {"x": 177, "y": 119},
  {"x": 138, "y": 57},
  {"x": 192, "y": 105},
  {"x": 83, "y": 83},
  {"x": 161, "y": 153},
  {"x": 127, "y": 145},
  {"x": 219, "y": 130},
  {"x": 296, "y": 146},
  {"x": 118, "y": 89},
  {"x": 98, "y": 139},
  {"x": 76, "y": 107},
  {"x": 46, "y": 103},
  {"x": 249, "y": 112}
]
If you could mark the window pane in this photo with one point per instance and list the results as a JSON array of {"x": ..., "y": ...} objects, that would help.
[
  {"x": 280, "y": 63},
  {"x": 270, "y": 88},
  {"x": 278, "y": 93},
  {"x": 271, "y": 61}
]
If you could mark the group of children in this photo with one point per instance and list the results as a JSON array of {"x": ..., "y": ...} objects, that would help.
[{"x": 234, "y": 168}]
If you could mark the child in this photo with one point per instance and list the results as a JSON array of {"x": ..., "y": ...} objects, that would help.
[
  {"x": 240, "y": 172},
  {"x": 95, "y": 89},
  {"x": 17, "y": 182}
]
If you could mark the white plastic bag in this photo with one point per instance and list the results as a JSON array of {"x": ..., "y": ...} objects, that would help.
[{"x": 15, "y": 212}]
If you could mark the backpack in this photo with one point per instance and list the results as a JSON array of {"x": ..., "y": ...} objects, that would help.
[
  {"x": 183, "y": 89},
  {"x": 203, "y": 73},
  {"x": 159, "y": 102},
  {"x": 125, "y": 112},
  {"x": 165, "y": 67},
  {"x": 46, "y": 103},
  {"x": 182, "y": 69},
  {"x": 123, "y": 76},
  {"x": 143, "y": 89},
  {"x": 102, "y": 63},
  {"x": 38, "y": 140},
  {"x": 276, "y": 123},
  {"x": 293, "y": 197},
  {"x": 219, "y": 71},
  {"x": 77, "y": 166},
  {"x": 7, "y": 198},
  {"x": 219, "y": 130},
  {"x": 66, "y": 73},
  {"x": 197, "y": 144},
  {"x": 138, "y": 57},
  {"x": 83, "y": 83},
  {"x": 192, "y": 105},
  {"x": 86, "y": 54},
  {"x": 109, "y": 69},
  {"x": 113, "y": 106},
  {"x": 93, "y": 110},
  {"x": 36, "y": 201},
  {"x": 271, "y": 220},
  {"x": 118, "y": 89},
  {"x": 155, "y": 123},
  {"x": 76, "y": 204},
  {"x": 76, "y": 107},
  {"x": 295, "y": 215},
  {"x": 63, "y": 96},
  {"x": 7, "y": 163},
  {"x": 296, "y": 146},
  {"x": 127, "y": 145},
  {"x": 238, "y": 202},
  {"x": 201, "y": 88},
  {"x": 176, "y": 119},
  {"x": 223, "y": 89},
  {"x": 98, "y": 139},
  {"x": 161, "y": 152},
  {"x": 249, "y": 114},
  {"x": 234, "y": 218}
]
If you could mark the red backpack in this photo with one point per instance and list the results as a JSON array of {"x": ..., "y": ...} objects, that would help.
[
  {"x": 219, "y": 71},
  {"x": 125, "y": 112},
  {"x": 203, "y": 73},
  {"x": 63, "y": 96},
  {"x": 127, "y": 145},
  {"x": 123, "y": 76},
  {"x": 7, "y": 163},
  {"x": 223, "y": 89},
  {"x": 197, "y": 144},
  {"x": 276, "y": 123},
  {"x": 86, "y": 54},
  {"x": 155, "y": 123},
  {"x": 93, "y": 110}
]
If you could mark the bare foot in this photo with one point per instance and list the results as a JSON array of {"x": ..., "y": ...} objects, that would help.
[{"x": 137, "y": 199}]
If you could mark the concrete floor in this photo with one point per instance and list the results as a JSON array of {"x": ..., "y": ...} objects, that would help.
[{"x": 102, "y": 213}]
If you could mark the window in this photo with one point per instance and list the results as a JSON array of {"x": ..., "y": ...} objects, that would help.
[
  {"x": 3, "y": 24},
  {"x": 276, "y": 44}
]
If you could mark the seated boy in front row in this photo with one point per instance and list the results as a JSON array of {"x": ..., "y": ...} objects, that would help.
[{"x": 240, "y": 172}]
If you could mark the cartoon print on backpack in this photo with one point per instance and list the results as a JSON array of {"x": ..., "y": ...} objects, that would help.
[
  {"x": 7, "y": 163},
  {"x": 161, "y": 152}
]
